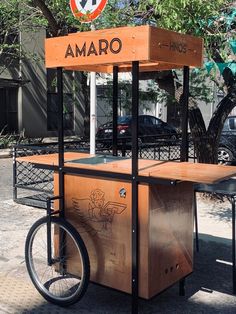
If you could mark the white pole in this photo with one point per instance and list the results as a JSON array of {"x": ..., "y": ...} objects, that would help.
[{"x": 93, "y": 115}]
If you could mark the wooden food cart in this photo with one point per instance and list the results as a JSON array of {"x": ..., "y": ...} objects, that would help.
[
  {"x": 135, "y": 216},
  {"x": 101, "y": 210}
]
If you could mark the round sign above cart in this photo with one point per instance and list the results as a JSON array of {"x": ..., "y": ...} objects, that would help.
[{"x": 87, "y": 10}]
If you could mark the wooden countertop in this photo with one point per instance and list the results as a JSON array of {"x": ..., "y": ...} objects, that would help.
[{"x": 183, "y": 171}]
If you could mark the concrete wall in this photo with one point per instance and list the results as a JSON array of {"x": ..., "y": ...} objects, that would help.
[
  {"x": 33, "y": 95},
  {"x": 33, "y": 102}
]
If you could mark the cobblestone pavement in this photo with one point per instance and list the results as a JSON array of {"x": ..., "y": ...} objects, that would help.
[{"x": 208, "y": 289}]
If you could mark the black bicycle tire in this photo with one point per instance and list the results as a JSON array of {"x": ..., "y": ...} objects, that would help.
[{"x": 84, "y": 255}]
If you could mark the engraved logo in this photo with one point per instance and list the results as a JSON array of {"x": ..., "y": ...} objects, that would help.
[{"x": 96, "y": 214}]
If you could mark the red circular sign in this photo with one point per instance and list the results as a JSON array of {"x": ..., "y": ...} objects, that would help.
[{"x": 87, "y": 10}]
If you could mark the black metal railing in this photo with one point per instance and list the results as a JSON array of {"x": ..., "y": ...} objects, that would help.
[{"x": 32, "y": 185}]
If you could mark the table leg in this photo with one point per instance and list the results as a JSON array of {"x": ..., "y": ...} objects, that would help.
[
  {"x": 196, "y": 221},
  {"x": 233, "y": 245},
  {"x": 182, "y": 287}
]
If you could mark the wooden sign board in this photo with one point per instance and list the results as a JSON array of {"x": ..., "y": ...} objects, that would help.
[{"x": 109, "y": 47}]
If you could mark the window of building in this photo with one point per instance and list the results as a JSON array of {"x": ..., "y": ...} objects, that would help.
[
  {"x": 52, "y": 110},
  {"x": 8, "y": 110}
]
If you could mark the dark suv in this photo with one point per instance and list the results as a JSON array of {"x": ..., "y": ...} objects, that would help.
[
  {"x": 227, "y": 145},
  {"x": 150, "y": 129}
]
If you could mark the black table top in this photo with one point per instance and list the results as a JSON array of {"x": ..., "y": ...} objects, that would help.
[{"x": 226, "y": 187}]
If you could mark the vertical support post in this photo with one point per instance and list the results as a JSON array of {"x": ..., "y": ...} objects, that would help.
[
  {"x": 93, "y": 116},
  {"x": 184, "y": 111},
  {"x": 115, "y": 110},
  {"x": 60, "y": 124},
  {"x": 14, "y": 174},
  {"x": 195, "y": 220},
  {"x": 135, "y": 229},
  {"x": 60, "y": 164},
  {"x": 182, "y": 287},
  {"x": 49, "y": 239},
  {"x": 233, "y": 244}
]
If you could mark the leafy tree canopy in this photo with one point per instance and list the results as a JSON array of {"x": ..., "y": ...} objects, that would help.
[{"x": 215, "y": 21}]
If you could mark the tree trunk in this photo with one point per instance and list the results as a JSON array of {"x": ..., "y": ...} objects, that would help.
[
  {"x": 206, "y": 150},
  {"x": 52, "y": 23},
  {"x": 206, "y": 141}
]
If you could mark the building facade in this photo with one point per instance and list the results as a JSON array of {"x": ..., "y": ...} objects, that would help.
[{"x": 27, "y": 98}]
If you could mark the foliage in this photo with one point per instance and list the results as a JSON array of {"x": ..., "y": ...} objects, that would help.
[
  {"x": 147, "y": 95},
  {"x": 6, "y": 140},
  {"x": 215, "y": 21},
  {"x": 16, "y": 16}
]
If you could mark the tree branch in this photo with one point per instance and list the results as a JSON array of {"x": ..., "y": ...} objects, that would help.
[{"x": 53, "y": 25}]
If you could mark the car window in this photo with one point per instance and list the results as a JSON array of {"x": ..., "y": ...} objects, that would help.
[
  {"x": 147, "y": 120},
  {"x": 156, "y": 121},
  {"x": 141, "y": 119},
  {"x": 226, "y": 125},
  {"x": 124, "y": 119},
  {"x": 232, "y": 123}
]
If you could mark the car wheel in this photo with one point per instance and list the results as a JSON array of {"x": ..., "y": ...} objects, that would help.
[
  {"x": 173, "y": 137},
  {"x": 225, "y": 156}
]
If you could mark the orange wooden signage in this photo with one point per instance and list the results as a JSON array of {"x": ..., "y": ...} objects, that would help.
[
  {"x": 87, "y": 10},
  {"x": 121, "y": 46}
]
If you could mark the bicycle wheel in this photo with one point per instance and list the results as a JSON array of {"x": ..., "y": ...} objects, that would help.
[{"x": 65, "y": 281}]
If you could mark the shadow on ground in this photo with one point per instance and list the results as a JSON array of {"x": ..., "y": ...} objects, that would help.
[{"x": 208, "y": 290}]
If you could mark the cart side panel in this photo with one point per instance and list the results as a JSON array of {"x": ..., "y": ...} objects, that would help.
[
  {"x": 171, "y": 235},
  {"x": 96, "y": 208}
]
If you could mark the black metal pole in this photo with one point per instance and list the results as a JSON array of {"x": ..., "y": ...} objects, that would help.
[
  {"x": 49, "y": 236},
  {"x": 233, "y": 245},
  {"x": 115, "y": 110},
  {"x": 14, "y": 174},
  {"x": 135, "y": 230},
  {"x": 60, "y": 124},
  {"x": 195, "y": 220},
  {"x": 184, "y": 115}
]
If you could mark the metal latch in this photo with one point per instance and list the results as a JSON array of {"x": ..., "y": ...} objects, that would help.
[{"x": 123, "y": 193}]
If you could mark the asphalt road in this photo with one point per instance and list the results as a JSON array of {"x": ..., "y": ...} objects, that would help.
[{"x": 208, "y": 289}]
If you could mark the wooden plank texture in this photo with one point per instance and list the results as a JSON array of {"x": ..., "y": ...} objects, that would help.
[
  {"x": 143, "y": 67},
  {"x": 184, "y": 171},
  {"x": 194, "y": 172},
  {"x": 169, "y": 46},
  {"x": 100, "y": 47},
  {"x": 99, "y": 50},
  {"x": 103, "y": 219},
  {"x": 170, "y": 235}
]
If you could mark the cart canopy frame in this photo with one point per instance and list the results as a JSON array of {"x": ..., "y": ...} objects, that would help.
[{"x": 134, "y": 49}]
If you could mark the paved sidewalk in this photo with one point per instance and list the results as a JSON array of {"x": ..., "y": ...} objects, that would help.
[{"x": 208, "y": 289}]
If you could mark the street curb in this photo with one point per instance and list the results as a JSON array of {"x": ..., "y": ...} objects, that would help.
[{"x": 5, "y": 153}]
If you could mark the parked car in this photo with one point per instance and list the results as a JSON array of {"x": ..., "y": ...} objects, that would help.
[
  {"x": 150, "y": 129},
  {"x": 227, "y": 145}
]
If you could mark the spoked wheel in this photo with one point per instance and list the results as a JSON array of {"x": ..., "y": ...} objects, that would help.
[
  {"x": 64, "y": 280},
  {"x": 225, "y": 156}
]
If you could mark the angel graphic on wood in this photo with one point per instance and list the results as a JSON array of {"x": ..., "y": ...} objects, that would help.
[{"x": 96, "y": 209}]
